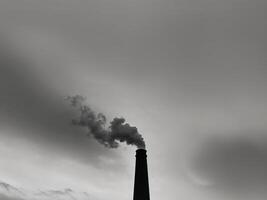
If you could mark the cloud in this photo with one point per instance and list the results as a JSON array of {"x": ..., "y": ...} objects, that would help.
[
  {"x": 10, "y": 192},
  {"x": 4, "y": 197},
  {"x": 235, "y": 163},
  {"x": 7, "y": 189},
  {"x": 35, "y": 108}
]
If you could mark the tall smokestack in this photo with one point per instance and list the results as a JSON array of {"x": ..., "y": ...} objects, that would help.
[{"x": 141, "y": 186}]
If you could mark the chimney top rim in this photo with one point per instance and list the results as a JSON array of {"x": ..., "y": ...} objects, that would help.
[{"x": 143, "y": 151}]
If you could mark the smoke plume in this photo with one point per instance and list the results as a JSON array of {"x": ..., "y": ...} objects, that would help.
[{"x": 118, "y": 131}]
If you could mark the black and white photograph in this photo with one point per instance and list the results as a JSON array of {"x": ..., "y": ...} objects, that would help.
[{"x": 133, "y": 100}]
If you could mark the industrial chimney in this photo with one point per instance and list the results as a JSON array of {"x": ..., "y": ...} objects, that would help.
[{"x": 141, "y": 186}]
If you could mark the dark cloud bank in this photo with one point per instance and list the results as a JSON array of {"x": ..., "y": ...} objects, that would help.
[
  {"x": 237, "y": 163},
  {"x": 40, "y": 114}
]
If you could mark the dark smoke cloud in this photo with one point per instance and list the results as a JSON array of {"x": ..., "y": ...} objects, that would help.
[
  {"x": 234, "y": 163},
  {"x": 118, "y": 131}
]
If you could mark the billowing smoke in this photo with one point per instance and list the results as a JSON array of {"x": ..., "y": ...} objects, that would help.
[{"x": 118, "y": 131}]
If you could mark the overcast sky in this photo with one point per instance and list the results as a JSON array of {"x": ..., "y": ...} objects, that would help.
[{"x": 191, "y": 75}]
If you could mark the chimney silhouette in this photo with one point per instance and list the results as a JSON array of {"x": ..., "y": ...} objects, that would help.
[{"x": 141, "y": 186}]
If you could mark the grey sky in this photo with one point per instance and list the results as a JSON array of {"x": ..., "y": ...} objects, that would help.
[{"x": 190, "y": 74}]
